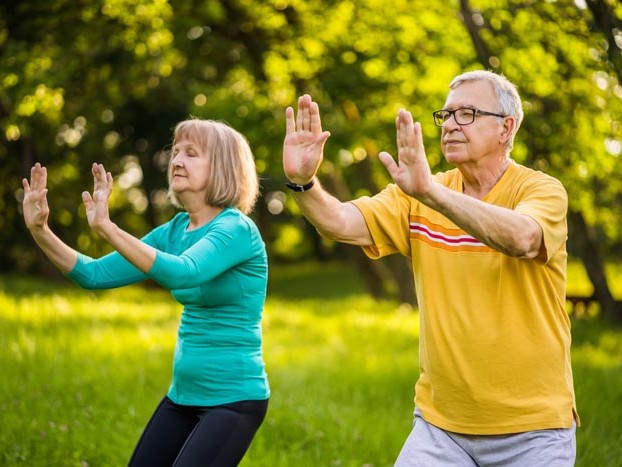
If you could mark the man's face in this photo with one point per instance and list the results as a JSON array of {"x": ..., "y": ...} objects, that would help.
[{"x": 482, "y": 138}]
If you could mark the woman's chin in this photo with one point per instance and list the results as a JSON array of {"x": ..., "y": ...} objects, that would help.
[{"x": 176, "y": 186}]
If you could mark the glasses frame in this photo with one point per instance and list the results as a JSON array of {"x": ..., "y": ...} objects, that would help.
[{"x": 436, "y": 115}]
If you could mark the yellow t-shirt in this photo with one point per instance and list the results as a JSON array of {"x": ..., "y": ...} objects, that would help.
[{"x": 494, "y": 344}]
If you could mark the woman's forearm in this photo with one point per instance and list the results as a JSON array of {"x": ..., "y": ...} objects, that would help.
[
  {"x": 131, "y": 248},
  {"x": 59, "y": 253}
]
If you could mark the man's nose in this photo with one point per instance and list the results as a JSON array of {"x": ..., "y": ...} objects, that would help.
[{"x": 450, "y": 123}]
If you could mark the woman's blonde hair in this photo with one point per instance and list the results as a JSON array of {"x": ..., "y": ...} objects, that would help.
[{"x": 232, "y": 177}]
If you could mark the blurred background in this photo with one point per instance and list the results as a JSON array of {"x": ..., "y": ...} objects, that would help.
[{"x": 106, "y": 81}]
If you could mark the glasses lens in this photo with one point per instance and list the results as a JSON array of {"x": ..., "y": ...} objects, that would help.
[
  {"x": 464, "y": 116},
  {"x": 440, "y": 116}
]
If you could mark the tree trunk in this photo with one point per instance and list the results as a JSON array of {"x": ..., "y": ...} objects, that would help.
[
  {"x": 481, "y": 49},
  {"x": 607, "y": 23},
  {"x": 589, "y": 255},
  {"x": 402, "y": 272},
  {"x": 373, "y": 273}
]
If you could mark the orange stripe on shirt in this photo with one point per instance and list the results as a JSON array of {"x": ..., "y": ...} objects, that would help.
[{"x": 441, "y": 237}]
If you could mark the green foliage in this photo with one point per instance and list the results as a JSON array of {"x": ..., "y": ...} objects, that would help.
[
  {"x": 106, "y": 80},
  {"x": 579, "y": 284},
  {"x": 573, "y": 101},
  {"x": 82, "y": 372}
]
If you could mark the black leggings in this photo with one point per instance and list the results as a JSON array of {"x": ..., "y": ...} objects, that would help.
[{"x": 189, "y": 436}]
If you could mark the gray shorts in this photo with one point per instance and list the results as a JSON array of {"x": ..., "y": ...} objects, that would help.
[{"x": 429, "y": 446}]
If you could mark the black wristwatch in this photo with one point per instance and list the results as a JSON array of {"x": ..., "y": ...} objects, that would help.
[{"x": 300, "y": 188}]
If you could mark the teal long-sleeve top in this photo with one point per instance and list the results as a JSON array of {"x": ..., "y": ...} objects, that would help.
[{"x": 219, "y": 274}]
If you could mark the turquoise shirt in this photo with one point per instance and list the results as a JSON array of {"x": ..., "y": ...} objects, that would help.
[{"x": 219, "y": 274}]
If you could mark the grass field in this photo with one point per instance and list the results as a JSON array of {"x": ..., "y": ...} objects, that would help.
[{"x": 82, "y": 371}]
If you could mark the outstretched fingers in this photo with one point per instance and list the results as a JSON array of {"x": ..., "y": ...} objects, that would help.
[
  {"x": 409, "y": 141},
  {"x": 102, "y": 180},
  {"x": 87, "y": 200},
  {"x": 411, "y": 171},
  {"x": 26, "y": 185},
  {"x": 403, "y": 126},
  {"x": 35, "y": 189},
  {"x": 38, "y": 178},
  {"x": 315, "y": 122},
  {"x": 35, "y": 205},
  {"x": 290, "y": 121},
  {"x": 96, "y": 204},
  {"x": 304, "y": 140},
  {"x": 302, "y": 114}
]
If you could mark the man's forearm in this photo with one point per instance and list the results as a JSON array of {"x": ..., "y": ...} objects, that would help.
[
  {"x": 505, "y": 230},
  {"x": 333, "y": 219}
]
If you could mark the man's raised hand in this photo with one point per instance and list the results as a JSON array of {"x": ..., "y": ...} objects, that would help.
[{"x": 304, "y": 141}]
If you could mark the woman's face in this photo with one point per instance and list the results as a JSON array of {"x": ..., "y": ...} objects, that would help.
[{"x": 188, "y": 170}]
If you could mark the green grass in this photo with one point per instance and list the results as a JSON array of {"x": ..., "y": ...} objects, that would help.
[{"x": 82, "y": 371}]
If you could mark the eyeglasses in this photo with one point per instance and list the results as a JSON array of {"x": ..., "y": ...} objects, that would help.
[{"x": 462, "y": 116}]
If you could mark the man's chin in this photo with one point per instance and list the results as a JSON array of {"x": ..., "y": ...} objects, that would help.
[{"x": 454, "y": 157}]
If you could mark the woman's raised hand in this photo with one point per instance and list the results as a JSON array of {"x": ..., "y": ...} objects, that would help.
[
  {"x": 35, "y": 203},
  {"x": 97, "y": 205}
]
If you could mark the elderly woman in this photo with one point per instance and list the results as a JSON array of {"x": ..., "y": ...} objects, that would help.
[{"x": 213, "y": 260}]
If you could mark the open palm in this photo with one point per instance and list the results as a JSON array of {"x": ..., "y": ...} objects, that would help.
[
  {"x": 304, "y": 141},
  {"x": 97, "y": 204},
  {"x": 412, "y": 171},
  {"x": 35, "y": 203}
]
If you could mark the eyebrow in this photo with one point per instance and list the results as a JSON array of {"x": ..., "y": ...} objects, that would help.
[
  {"x": 185, "y": 145},
  {"x": 467, "y": 106}
]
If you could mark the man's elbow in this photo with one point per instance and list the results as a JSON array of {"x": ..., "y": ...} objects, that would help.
[
  {"x": 336, "y": 235},
  {"x": 344, "y": 236},
  {"x": 345, "y": 225},
  {"x": 530, "y": 245}
]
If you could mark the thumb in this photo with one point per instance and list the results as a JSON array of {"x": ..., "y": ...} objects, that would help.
[
  {"x": 87, "y": 200},
  {"x": 389, "y": 163},
  {"x": 321, "y": 140},
  {"x": 44, "y": 199}
]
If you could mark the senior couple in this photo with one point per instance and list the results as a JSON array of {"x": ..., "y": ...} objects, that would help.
[{"x": 487, "y": 241}]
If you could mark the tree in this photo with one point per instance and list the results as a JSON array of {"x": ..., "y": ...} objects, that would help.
[
  {"x": 67, "y": 68},
  {"x": 106, "y": 80}
]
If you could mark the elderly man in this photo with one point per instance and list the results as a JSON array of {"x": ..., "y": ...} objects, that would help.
[{"x": 487, "y": 241}]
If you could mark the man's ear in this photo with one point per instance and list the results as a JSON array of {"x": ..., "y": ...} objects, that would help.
[{"x": 509, "y": 123}]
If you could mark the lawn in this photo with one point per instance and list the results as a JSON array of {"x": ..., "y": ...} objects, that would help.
[{"x": 82, "y": 371}]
